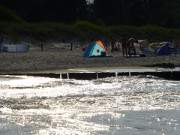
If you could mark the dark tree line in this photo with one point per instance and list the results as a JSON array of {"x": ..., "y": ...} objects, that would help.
[
  {"x": 112, "y": 12},
  {"x": 48, "y": 10},
  {"x": 139, "y": 12}
]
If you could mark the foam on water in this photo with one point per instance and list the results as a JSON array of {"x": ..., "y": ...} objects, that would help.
[{"x": 124, "y": 105}]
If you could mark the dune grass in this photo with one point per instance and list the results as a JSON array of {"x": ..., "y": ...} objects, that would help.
[{"x": 83, "y": 30}]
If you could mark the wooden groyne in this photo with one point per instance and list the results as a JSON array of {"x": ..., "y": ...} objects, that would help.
[{"x": 97, "y": 73}]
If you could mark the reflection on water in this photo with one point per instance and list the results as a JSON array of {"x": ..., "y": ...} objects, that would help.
[{"x": 111, "y": 106}]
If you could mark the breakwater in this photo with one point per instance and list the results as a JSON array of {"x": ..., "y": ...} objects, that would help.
[{"x": 96, "y": 73}]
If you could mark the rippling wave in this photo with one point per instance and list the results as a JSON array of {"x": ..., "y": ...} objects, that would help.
[{"x": 123, "y": 105}]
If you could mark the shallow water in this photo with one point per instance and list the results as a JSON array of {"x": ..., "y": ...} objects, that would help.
[{"x": 111, "y": 106}]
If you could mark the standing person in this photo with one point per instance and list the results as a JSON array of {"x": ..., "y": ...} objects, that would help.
[
  {"x": 1, "y": 45},
  {"x": 131, "y": 46},
  {"x": 112, "y": 45},
  {"x": 124, "y": 46}
]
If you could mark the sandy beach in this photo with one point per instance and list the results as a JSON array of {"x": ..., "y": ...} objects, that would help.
[{"x": 35, "y": 60}]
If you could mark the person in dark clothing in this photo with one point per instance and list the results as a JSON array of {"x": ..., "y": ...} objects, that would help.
[
  {"x": 124, "y": 47},
  {"x": 1, "y": 46}
]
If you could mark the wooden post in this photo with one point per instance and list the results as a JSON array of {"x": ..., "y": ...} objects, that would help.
[
  {"x": 60, "y": 76},
  {"x": 71, "y": 46},
  {"x": 67, "y": 75},
  {"x": 97, "y": 76},
  {"x": 116, "y": 74}
]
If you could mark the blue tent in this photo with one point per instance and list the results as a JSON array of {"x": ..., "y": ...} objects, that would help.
[
  {"x": 165, "y": 49},
  {"x": 95, "y": 49}
]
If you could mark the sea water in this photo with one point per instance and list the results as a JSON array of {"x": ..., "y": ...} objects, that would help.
[{"x": 112, "y": 106}]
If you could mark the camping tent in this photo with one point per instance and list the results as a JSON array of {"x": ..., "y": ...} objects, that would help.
[
  {"x": 165, "y": 49},
  {"x": 96, "y": 49},
  {"x": 14, "y": 48}
]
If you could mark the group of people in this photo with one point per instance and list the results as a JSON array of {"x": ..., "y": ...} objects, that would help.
[{"x": 128, "y": 46}]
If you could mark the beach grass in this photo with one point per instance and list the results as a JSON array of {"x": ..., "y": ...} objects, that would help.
[{"x": 83, "y": 31}]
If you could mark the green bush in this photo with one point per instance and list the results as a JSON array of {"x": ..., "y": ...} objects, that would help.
[
  {"x": 83, "y": 30},
  {"x": 152, "y": 33},
  {"x": 124, "y": 31},
  {"x": 90, "y": 30}
]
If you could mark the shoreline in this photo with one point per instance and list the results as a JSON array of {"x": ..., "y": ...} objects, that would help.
[{"x": 95, "y": 73}]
